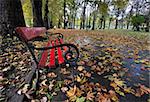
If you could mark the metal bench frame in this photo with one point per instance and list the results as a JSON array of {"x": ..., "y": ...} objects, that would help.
[{"x": 73, "y": 55}]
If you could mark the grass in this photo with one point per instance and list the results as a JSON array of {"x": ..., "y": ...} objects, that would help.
[{"x": 129, "y": 33}]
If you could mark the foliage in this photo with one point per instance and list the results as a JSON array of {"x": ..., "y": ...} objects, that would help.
[
  {"x": 27, "y": 10},
  {"x": 120, "y": 4},
  {"x": 137, "y": 20},
  {"x": 55, "y": 10},
  {"x": 103, "y": 8}
]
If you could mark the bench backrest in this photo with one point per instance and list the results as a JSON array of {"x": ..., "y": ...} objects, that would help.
[{"x": 29, "y": 33}]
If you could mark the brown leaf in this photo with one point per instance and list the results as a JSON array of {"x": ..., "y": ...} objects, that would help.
[
  {"x": 80, "y": 68},
  {"x": 113, "y": 96},
  {"x": 90, "y": 96},
  {"x": 88, "y": 74},
  {"x": 51, "y": 75}
]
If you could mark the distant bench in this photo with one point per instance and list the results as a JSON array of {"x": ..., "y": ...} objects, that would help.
[{"x": 54, "y": 54}]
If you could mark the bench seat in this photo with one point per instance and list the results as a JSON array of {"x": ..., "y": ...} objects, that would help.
[{"x": 54, "y": 53}]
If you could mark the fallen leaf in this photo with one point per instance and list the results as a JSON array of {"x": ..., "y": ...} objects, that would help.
[
  {"x": 88, "y": 74},
  {"x": 80, "y": 68},
  {"x": 119, "y": 82},
  {"x": 44, "y": 99},
  {"x": 90, "y": 96},
  {"x": 64, "y": 89},
  {"x": 43, "y": 83},
  {"x": 81, "y": 79},
  {"x": 128, "y": 90},
  {"x": 51, "y": 75}
]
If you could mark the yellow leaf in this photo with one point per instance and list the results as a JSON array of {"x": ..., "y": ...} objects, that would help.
[
  {"x": 128, "y": 90},
  {"x": 71, "y": 92},
  {"x": 120, "y": 93},
  {"x": 81, "y": 79},
  {"x": 119, "y": 82},
  {"x": 114, "y": 85},
  {"x": 79, "y": 92}
]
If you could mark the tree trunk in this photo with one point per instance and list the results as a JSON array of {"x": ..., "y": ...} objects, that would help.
[
  {"x": 147, "y": 27},
  {"x": 128, "y": 23},
  {"x": 11, "y": 14},
  {"x": 83, "y": 14},
  {"x": 65, "y": 14},
  {"x": 94, "y": 19},
  {"x": 89, "y": 26},
  {"x": 59, "y": 24},
  {"x": 81, "y": 24},
  {"x": 104, "y": 22},
  {"x": 110, "y": 19},
  {"x": 46, "y": 15},
  {"x": 74, "y": 21},
  {"x": 116, "y": 26},
  {"x": 137, "y": 28},
  {"x": 130, "y": 14},
  {"x": 37, "y": 13},
  {"x": 147, "y": 22},
  {"x": 101, "y": 23}
]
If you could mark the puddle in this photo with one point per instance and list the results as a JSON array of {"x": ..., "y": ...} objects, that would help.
[{"x": 135, "y": 73}]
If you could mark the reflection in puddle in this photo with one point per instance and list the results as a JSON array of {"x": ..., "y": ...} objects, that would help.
[{"x": 135, "y": 72}]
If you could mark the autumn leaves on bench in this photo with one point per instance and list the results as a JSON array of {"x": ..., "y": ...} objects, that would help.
[{"x": 54, "y": 53}]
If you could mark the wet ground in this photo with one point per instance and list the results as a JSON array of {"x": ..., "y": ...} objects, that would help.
[{"x": 136, "y": 66}]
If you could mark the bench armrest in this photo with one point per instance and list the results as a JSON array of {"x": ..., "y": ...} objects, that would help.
[{"x": 72, "y": 51}]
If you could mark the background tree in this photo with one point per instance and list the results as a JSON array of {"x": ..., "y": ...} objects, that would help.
[
  {"x": 83, "y": 15},
  {"x": 65, "y": 22},
  {"x": 137, "y": 20},
  {"x": 72, "y": 7},
  {"x": 94, "y": 5},
  {"x": 119, "y": 7},
  {"x": 103, "y": 10},
  {"x": 56, "y": 12},
  {"x": 37, "y": 12},
  {"x": 46, "y": 19}
]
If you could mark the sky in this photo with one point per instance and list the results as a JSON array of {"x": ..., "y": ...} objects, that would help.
[{"x": 143, "y": 10}]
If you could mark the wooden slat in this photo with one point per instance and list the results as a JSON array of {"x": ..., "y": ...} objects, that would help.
[
  {"x": 52, "y": 56},
  {"x": 64, "y": 48},
  {"x": 43, "y": 59},
  {"x": 60, "y": 54}
]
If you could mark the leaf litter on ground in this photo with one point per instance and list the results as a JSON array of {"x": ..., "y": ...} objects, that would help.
[{"x": 100, "y": 74}]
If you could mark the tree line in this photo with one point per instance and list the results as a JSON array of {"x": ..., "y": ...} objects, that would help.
[{"x": 81, "y": 14}]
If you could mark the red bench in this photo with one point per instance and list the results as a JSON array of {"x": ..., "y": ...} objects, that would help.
[{"x": 54, "y": 53}]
